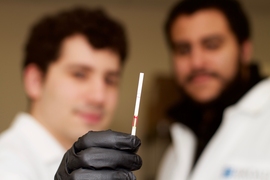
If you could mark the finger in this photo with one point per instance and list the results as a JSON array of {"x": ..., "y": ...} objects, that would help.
[
  {"x": 101, "y": 158},
  {"x": 108, "y": 139},
  {"x": 83, "y": 174}
]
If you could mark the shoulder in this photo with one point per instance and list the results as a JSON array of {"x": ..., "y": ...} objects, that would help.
[
  {"x": 16, "y": 158},
  {"x": 167, "y": 164},
  {"x": 15, "y": 164},
  {"x": 256, "y": 100},
  {"x": 12, "y": 140}
]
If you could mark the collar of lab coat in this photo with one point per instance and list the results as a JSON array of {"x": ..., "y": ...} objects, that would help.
[
  {"x": 256, "y": 99},
  {"x": 42, "y": 142}
]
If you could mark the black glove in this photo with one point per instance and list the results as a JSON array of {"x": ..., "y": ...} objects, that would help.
[{"x": 103, "y": 155}]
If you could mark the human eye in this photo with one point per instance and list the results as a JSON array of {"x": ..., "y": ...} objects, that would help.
[
  {"x": 213, "y": 44},
  {"x": 182, "y": 49},
  {"x": 79, "y": 75},
  {"x": 112, "y": 81}
]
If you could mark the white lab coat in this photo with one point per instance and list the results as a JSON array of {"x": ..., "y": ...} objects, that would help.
[
  {"x": 28, "y": 151},
  {"x": 240, "y": 149}
]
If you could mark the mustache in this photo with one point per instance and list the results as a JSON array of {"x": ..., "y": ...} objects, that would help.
[{"x": 203, "y": 72}]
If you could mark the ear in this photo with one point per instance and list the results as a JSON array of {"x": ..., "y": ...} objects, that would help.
[
  {"x": 32, "y": 77},
  {"x": 247, "y": 52}
]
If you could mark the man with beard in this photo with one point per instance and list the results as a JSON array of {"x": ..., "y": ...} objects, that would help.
[
  {"x": 221, "y": 128},
  {"x": 71, "y": 74}
]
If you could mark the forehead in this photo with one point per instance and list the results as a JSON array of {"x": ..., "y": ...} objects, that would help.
[
  {"x": 77, "y": 50},
  {"x": 199, "y": 24}
]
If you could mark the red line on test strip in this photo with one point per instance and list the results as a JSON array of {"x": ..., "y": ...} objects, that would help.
[{"x": 135, "y": 118}]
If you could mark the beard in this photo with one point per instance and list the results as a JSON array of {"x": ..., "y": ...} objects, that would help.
[{"x": 231, "y": 90}]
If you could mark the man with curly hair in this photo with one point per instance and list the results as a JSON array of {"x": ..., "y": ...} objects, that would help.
[{"x": 71, "y": 72}]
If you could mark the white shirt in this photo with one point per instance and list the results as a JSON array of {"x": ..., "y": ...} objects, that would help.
[
  {"x": 239, "y": 150},
  {"x": 28, "y": 151}
]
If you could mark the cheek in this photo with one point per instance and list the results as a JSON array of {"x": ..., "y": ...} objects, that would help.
[
  {"x": 181, "y": 68},
  {"x": 62, "y": 91},
  {"x": 225, "y": 63},
  {"x": 112, "y": 99}
]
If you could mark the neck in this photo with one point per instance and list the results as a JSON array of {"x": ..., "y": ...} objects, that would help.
[
  {"x": 205, "y": 119},
  {"x": 62, "y": 140},
  {"x": 189, "y": 109}
]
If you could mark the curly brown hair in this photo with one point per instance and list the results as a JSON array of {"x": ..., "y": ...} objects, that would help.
[{"x": 46, "y": 36}]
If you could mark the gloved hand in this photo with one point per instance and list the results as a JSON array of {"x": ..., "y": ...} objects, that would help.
[{"x": 103, "y": 155}]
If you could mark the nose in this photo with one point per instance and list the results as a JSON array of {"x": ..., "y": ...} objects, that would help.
[
  {"x": 197, "y": 60},
  {"x": 96, "y": 91}
]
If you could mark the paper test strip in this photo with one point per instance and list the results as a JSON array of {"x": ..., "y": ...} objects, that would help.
[{"x": 137, "y": 104}]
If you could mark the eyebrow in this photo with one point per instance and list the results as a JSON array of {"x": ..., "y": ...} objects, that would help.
[
  {"x": 206, "y": 38},
  {"x": 114, "y": 73},
  {"x": 78, "y": 66},
  {"x": 180, "y": 43},
  {"x": 212, "y": 37},
  {"x": 89, "y": 69}
]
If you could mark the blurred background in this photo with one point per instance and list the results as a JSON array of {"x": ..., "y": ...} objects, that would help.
[{"x": 148, "y": 53}]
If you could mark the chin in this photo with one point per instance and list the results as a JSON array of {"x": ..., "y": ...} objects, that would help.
[
  {"x": 99, "y": 127},
  {"x": 204, "y": 95},
  {"x": 204, "y": 98}
]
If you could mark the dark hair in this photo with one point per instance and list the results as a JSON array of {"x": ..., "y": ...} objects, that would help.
[
  {"x": 232, "y": 10},
  {"x": 44, "y": 43}
]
